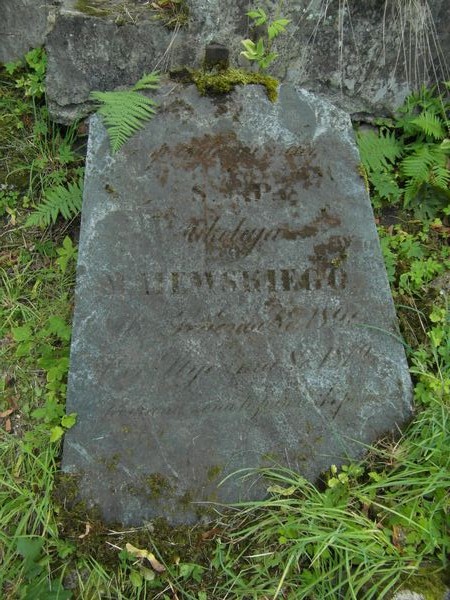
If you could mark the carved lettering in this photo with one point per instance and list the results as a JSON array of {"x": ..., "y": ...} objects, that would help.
[
  {"x": 242, "y": 240},
  {"x": 260, "y": 281}
]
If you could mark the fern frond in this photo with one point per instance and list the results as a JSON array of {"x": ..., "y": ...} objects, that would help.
[
  {"x": 417, "y": 165},
  {"x": 385, "y": 186},
  {"x": 377, "y": 151},
  {"x": 148, "y": 82},
  {"x": 430, "y": 124},
  {"x": 440, "y": 177},
  {"x": 123, "y": 113},
  {"x": 412, "y": 188},
  {"x": 59, "y": 200}
]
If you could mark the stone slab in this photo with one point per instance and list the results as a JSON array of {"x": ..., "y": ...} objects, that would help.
[{"x": 232, "y": 306}]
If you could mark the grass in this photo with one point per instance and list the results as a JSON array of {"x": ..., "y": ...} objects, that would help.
[{"x": 366, "y": 530}]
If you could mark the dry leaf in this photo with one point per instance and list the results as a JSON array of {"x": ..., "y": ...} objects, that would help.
[
  {"x": 6, "y": 413},
  {"x": 398, "y": 537},
  {"x": 440, "y": 228},
  {"x": 8, "y": 425},
  {"x": 86, "y": 532},
  {"x": 211, "y": 534},
  {"x": 156, "y": 565},
  {"x": 142, "y": 553}
]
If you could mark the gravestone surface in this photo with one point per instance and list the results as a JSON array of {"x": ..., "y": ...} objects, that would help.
[{"x": 232, "y": 308}]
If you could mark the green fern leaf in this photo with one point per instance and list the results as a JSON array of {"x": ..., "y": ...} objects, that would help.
[
  {"x": 430, "y": 124},
  {"x": 123, "y": 113},
  {"x": 377, "y": 151},
  {"x": 147, "y": 82},
  {"x": 59, "y": 200},
  {"x": 440, "y": 177},
  {"x": 385, "y": 186},
  {"x": 417, "y": 165},
  {"x": 412, "y": 188}
]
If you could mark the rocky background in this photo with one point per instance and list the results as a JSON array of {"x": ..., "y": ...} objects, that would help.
[{"x": 364, "y": 55}]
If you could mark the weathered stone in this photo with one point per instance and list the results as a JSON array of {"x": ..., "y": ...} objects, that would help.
[
  {"x": 86, "y": 54},
  {"x": 365, "y": 56},
  {"x": 24, "y": 25},
  {"x": 232, "y": 306}
]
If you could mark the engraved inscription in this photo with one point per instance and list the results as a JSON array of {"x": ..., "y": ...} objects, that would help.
[
  {"x": 297, "y": 318},
  {"x": 243, "y": 239},
  {"x": 262, "y": 281}
]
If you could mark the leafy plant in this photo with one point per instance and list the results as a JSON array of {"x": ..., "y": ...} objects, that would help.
[
  {"x": 410, "y": 261},
  {"x": 260, "y": 51},
  {"x": 125, "y": 112},
  {"x": 67, "y": 254},
  {"x": 8, "y": 200},
  {"x": 32, "y": 81},
  {"x": 59, "y": 200},
  {"x": 408, "y": 159}
]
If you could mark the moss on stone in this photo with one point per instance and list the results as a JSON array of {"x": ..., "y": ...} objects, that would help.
[
  {"x": 223, "y": 82},
  {"x": 92, "y": 8},
  {"x": 172, "y": 13},
  {"x": 157, "y": 486},
  {"x": 427, "y": 582},
  {"x": 111, "y": 462},
  {"x": 214, "y": 472},
  {"x": 174, "y": 544}
]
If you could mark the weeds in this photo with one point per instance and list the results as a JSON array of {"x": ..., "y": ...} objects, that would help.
[
  {"x": 261, "y": 50},
  {"x": 407, "y": 159}
]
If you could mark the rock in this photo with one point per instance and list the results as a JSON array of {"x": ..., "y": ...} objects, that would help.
[
  {"x": 408, "y": 595},
  {"x": 24, "y": 25}
]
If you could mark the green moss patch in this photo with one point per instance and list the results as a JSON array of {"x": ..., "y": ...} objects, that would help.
[{"x": 223, "y": 82}]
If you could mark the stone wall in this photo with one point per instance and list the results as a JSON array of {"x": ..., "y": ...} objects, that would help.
[{"x": 365, "y": 56}]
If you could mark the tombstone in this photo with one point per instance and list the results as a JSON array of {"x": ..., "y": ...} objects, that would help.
[{"x": 232, "y": 307}]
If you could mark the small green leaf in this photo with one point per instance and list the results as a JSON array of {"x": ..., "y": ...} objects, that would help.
[
  {"x": 191, "y": 571},
  {"x": 148, "y": 82},
  {"x": 13, "y": 66},
  {"x": 56, "y": 433},
  {"x": 277, "y": 27},
  {"x": 282, "y": 491},
  {"x": 59, "y": 328},
  {"x": 69, "y": 421},
  {"x": 258, "y": 15},
  {"x": 21, "y": 334},
  {"x": 260, "y": 48},
  {"x": 30, "y": 548},
  {"x": 147, "y": 574},
  {"x": 250, "y": 49},
  {"x": 136, "y": 579}
]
